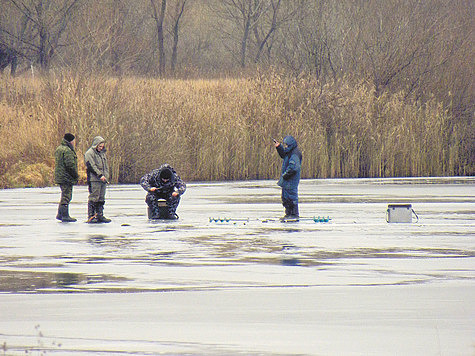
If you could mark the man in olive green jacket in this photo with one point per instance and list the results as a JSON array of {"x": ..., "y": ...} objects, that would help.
[
  {"x": 66, "y": 175},
  {"x": 97, "y": 179}
]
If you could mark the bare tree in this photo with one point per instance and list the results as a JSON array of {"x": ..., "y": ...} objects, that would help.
[
  {"x": 308, "y": 37},
  {"x": 43, "y": 24},
  {"x": 200, "y": 48},
  {"x": 13, "y": 31},
  {"x": 262, "y": 35},
  {"x": 159, "y": 7},
  {"x": 178, "y": 13},
  {"x": 397, "y": 43},
  {"x": 8, "y": 57},
  {"x": 243, "y": 15},
  {"x": 110, "y": 35}
]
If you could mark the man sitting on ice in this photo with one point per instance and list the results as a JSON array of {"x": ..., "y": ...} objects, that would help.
[{"x": 163, "y": 183}]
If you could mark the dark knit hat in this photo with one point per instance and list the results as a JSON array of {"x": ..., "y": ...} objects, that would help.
[
  {"x": 165, "y": 173},
  {"x": 69, "y": 137}
]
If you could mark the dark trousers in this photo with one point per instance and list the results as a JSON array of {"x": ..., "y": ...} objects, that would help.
[
  {"x": 66, "y": 194},
  {"x": 97, "y": 192},
  {"x": 290, "y": 201}
]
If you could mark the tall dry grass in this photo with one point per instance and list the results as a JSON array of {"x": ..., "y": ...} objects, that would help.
[{"x": 222, "y": 129}]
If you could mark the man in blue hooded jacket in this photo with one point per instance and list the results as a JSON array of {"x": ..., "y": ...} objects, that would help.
[{"x": 290, "y": 176}]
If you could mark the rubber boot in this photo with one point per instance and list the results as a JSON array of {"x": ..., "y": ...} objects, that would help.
[
  {"x": 288, "y": 212},
  {"x": 294, "y": 212},
  {"x": 172, "y": 215},
  {"x": 64, "y": 211},
  {"x": 100, "y": 213},
  {"x": 91, "y": 213},
  {"x": 58, "y": 215}
]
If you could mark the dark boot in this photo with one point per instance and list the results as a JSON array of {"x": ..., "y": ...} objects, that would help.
[
  {"x": 294, "y": 212},
  {"x": 64, "y": 211},
  {"x": 91, "y": 213},
  {"x": 288, "y": 212},
  {"x": 100, "y": 213},
  {"x": 58, "y": 215},
  {"x": 172, "y": 216}
]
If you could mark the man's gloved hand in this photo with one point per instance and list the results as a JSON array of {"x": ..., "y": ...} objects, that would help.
[{"x": 288, "y": 175}]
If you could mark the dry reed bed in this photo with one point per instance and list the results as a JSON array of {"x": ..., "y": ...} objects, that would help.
[{"x": 222, "y": 129}]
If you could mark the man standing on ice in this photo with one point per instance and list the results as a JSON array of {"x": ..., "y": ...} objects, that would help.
[
  {"x": 97, "y": 178},
  {"x": 163, "y": 183},
  {"x": 66, "y": 175},
  {"x": 290, "y": 176}
]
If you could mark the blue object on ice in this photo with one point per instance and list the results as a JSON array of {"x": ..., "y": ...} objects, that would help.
[
  {"x": 321, "y": 219},
  {"x": 220, "y": 219}
]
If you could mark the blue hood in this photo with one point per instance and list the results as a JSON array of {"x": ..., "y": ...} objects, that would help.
[{"x": 289, "y": 143}]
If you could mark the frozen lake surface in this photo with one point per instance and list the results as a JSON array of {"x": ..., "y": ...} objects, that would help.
[{"x": 355, "y": 285}]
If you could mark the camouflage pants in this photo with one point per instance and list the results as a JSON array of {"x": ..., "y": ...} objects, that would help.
[
  {"x": 153, "y": 198},
  {"x": 66, "y": 194}
]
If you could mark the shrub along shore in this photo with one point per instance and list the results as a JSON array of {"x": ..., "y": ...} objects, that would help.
[{"x": 222, "y": 129}]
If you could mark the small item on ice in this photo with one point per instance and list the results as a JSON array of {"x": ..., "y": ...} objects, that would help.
[{"x": 400, "y": 213}]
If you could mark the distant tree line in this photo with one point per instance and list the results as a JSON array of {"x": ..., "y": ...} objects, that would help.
[{"x": 421, "y": 48}]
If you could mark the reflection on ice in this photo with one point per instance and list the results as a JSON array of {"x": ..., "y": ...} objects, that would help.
[{"x": 34, "y": 281}]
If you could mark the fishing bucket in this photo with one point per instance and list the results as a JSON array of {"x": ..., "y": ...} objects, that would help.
[{"x": 400, "y": 213}]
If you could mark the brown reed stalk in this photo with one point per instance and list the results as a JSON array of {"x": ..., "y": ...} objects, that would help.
[{"x": 222, "y": 129}]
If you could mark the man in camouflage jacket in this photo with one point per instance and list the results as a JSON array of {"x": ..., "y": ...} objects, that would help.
[
  {"x": 163, "y": 183},
  {"x": 66, "y": 175}
]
